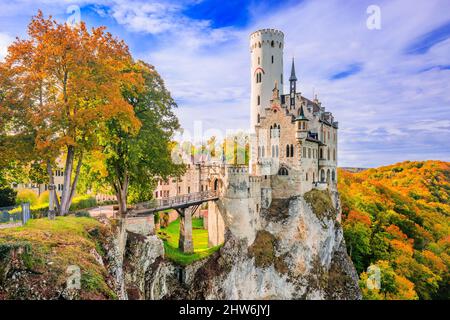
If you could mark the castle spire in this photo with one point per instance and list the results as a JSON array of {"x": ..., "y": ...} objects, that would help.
[
  {"x": 293, "y": 86},
  {"x": 293, "y": 77}
]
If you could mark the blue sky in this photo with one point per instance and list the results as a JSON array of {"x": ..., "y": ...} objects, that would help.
[{"x": 388, "y": 88}]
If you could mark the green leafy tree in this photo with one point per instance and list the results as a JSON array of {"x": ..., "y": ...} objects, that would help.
[
  {"x": 357, "y": 237},
  {"x": 7, "y": 196},
  {"x": 134, "y": 160}
]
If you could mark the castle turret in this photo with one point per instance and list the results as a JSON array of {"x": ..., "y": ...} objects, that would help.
[{"x": 266, "y": 47}]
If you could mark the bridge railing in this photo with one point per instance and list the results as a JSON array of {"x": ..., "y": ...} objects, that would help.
[{"x": 178, "y": 200}]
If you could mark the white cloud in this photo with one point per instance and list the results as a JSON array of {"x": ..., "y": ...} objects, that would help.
[{"x": 5, "y": 41}]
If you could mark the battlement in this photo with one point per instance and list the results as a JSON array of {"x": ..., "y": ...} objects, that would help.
[
  {"x": 233, "y": 170},
  {"x": 260, "y": 32}
]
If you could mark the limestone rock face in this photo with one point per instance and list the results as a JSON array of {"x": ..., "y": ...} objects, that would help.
[{"x": 296, "y": 251}]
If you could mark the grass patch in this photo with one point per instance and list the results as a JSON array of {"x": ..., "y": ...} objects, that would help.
[
  {"x": 321, "y": 204},
  {"x": 171, "y": 235},
  {"x": 53, "y": 245}
]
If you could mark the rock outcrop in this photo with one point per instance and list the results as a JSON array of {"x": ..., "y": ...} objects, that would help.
[{"x": 298, "y": 253}]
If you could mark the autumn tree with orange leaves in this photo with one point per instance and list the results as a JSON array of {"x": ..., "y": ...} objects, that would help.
[{"x": 59, "y": 88}]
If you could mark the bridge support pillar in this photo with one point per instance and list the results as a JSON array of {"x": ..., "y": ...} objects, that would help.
[
  {"x": 185, "y": 242},
  {"x": 216, "y": 225}
]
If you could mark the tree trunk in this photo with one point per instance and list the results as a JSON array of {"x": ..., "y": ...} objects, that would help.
[
  {"x": 121, "y": 194},
  {"x": 65, "y": 195}
]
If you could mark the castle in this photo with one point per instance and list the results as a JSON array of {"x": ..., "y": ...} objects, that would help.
[{"x": 293, "y": 148}]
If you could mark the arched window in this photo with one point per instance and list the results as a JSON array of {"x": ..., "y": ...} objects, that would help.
[
  {"x": 309, "y": 153},
  {"x": 292, "y": 150},
  {"x": 272, "y": 44},
  {"x": 283, "y": 172},
  {"x": 270, "y": 132},
  {"x": 259, "y": 44},
  {"x": 287, "y": 151},
  {"x": 314, "y": 177},
  {"x": 333, "y": 175},
  {"x": 322, "y": 175}
]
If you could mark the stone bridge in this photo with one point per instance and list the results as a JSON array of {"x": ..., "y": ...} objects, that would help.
[{"x": 141, "y": 219}]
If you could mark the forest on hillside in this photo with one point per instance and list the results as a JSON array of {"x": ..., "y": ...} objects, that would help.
[{"x": 396, "y": 219}]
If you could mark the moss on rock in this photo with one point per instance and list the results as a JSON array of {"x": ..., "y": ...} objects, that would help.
[
  {"x": 263, "y": 249},
  {"x": 321, "y": 204}
]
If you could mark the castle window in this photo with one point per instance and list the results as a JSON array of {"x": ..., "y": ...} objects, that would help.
[
  {"x": 259, "y": 60},
  {"x": 333, "y": 175},
  {"x": 283, "y": 172},
  {"x": 322, "y": 175},
  {"x": 321, "y": 153},
  {"x": 292, "y": 150},
  {"x": 314, "y": 176},
  {"x": 272, "y": 59},
  {"x": 273, "y": 151},
  {"x": 276, "y": 151},
  {"x": 280, "y": 45},
  {"x": 304, "y": 152},
  {"x": 287, "y": 151},
  {"x": 307, "y": 176},
  {"x": 272, "y": 44},
  {"x": 334, "y": 155},
  {"x": 156, "y": 194},
  {"x": 259, "y": 103},
  {"x": 328, "y": 154},
  {"x": 309, "y": 153},
  {"x": 259, "y": 44}
]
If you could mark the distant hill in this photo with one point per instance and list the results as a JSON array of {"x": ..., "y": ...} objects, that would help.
[
  {"x": 397, "y": 218},
  {"x": 353, "y": 169}
]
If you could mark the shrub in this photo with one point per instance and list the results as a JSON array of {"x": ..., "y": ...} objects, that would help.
[
  {"x": 26, "y": 195},
  {"x": 7, "y": 197},
  {"x": 44, "y": 197},
  {"x": 82, "y": 202},
  {"x": 82, "y": 213}
]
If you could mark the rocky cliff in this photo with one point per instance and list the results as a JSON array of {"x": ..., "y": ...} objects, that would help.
[{"x": 298, "y": 253}]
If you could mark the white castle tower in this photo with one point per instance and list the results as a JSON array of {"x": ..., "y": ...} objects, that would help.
[{"x": 266, "y": 47}]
